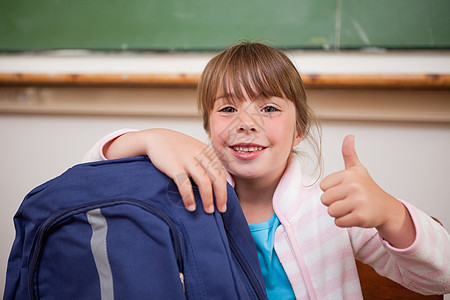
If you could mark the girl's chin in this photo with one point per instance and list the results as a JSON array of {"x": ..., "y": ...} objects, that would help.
[{"x": 244, "y": 173}]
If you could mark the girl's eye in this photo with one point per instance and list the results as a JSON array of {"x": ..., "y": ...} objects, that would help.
[
  {"x": 270, "y": 109},
  {"x": 228, "y": 109}
]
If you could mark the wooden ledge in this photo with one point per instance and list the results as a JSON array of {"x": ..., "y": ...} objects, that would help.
[
  {"x": 394, "y": 81},
  {"x": 99, "y": 79},
  {"x": 431, "y": 81}
]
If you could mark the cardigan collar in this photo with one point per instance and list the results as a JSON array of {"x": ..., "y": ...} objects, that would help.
[{"x": 288, "y": 186}]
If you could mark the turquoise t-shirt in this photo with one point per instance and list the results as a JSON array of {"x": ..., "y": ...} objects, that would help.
[{"x": 275, "y": 279}]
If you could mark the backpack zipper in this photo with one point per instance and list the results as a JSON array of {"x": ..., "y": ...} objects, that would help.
[
  {"x": 245, "y": 266},
  {"x": 42, "y": 234}
]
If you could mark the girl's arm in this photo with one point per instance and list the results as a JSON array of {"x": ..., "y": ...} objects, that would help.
[
  {"x": 423, "y": 267},
  {"x": 179, "y": 156},
  {"x": 354, "y": 199},
  {"x": 96, "y": 152}
]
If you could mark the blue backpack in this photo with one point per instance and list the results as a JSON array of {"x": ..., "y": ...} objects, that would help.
[{"x": 119, "y": 230}]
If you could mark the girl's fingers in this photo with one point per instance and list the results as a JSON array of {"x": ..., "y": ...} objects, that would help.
[
  {"x": 334, "y": 194},
  {"x": 349, "y": 220},
  {"x": 210, "y": 166},
  {"x": 185, "y": 189},
  {"x": 204, "y": 185},
  {"x": 332, "y": 180},
  {"x": 220, "y": 192},
  {"x": 207, "y": 181},
  {"x": 340, "y": 209}
]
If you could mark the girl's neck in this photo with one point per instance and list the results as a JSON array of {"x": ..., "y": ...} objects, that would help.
[{"x": 255, "y": 197}]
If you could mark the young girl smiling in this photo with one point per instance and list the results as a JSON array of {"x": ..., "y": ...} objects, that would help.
[{"x": 307, "y": 234}]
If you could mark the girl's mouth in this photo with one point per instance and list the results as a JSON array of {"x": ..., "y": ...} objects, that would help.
[
  {"x": 247, "y": 152},
  {"x": 247, "y": 149}
]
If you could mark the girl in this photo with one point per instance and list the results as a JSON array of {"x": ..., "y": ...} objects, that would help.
[{"x": 307, "y": 235}]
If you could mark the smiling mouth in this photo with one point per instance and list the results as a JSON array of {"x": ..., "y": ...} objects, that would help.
[{"x": 247, "y": 149}]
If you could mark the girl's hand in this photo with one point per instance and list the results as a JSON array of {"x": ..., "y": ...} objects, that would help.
[
  {"x": 354, "y": 199},
  {"x": 180, "y": 157}
]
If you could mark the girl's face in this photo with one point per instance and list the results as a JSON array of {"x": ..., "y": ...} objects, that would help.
[{"x": 254, "y": 139}]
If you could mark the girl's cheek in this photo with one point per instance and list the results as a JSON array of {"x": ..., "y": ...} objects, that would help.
[{"x": 218, "y": 132}]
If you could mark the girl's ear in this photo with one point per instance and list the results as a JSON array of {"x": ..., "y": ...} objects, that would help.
[
  {"x": 297, "y": 138},
  {"x": 208, "y": 130}
]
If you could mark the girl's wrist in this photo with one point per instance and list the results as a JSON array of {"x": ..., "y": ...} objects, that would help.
[{"x": 398, "y": 229}]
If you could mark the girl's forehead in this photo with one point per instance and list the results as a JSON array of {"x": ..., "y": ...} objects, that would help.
[
  {"x": 232, "y": 96},
  {"x": 234, "y": 86},
  {"x": 239, "y": 89}
]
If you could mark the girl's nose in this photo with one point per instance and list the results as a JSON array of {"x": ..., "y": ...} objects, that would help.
[
  {"x": 246, "y": 123},
  {"x": 248, "y": 119},
  {"x": 246, "y": 128}
]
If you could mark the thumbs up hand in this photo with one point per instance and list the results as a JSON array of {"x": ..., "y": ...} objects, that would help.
[
  {"x": 354, "y": 199},
  {"x": 352, "y": 196}
]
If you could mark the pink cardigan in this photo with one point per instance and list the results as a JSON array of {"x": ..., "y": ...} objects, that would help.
[{"x": 319, "y": 257}]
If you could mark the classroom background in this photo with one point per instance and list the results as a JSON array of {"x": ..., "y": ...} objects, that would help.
[{"x": 73, "y": 71}]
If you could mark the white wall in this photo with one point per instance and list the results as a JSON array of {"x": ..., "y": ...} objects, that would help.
[{"x": 409, "y": 160}]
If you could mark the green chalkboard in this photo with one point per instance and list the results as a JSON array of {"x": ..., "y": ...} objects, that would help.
[{"x": 183, "y": 25}]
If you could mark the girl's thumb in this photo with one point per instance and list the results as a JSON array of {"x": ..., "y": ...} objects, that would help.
[{"x": 349, "y": 152}]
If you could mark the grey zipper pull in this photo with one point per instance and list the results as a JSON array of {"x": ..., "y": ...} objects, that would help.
[{"x": 182, "y": 281}]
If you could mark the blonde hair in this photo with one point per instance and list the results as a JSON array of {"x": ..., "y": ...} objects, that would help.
[{"x": 258, "y": 70}]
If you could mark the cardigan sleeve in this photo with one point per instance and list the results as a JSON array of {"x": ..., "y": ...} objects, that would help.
[
  {"x": 96, "y": 152},
  {"x": 423, "y": 267}
]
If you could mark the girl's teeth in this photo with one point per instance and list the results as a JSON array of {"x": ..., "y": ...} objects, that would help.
[{"x": 247, "y": 149}]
